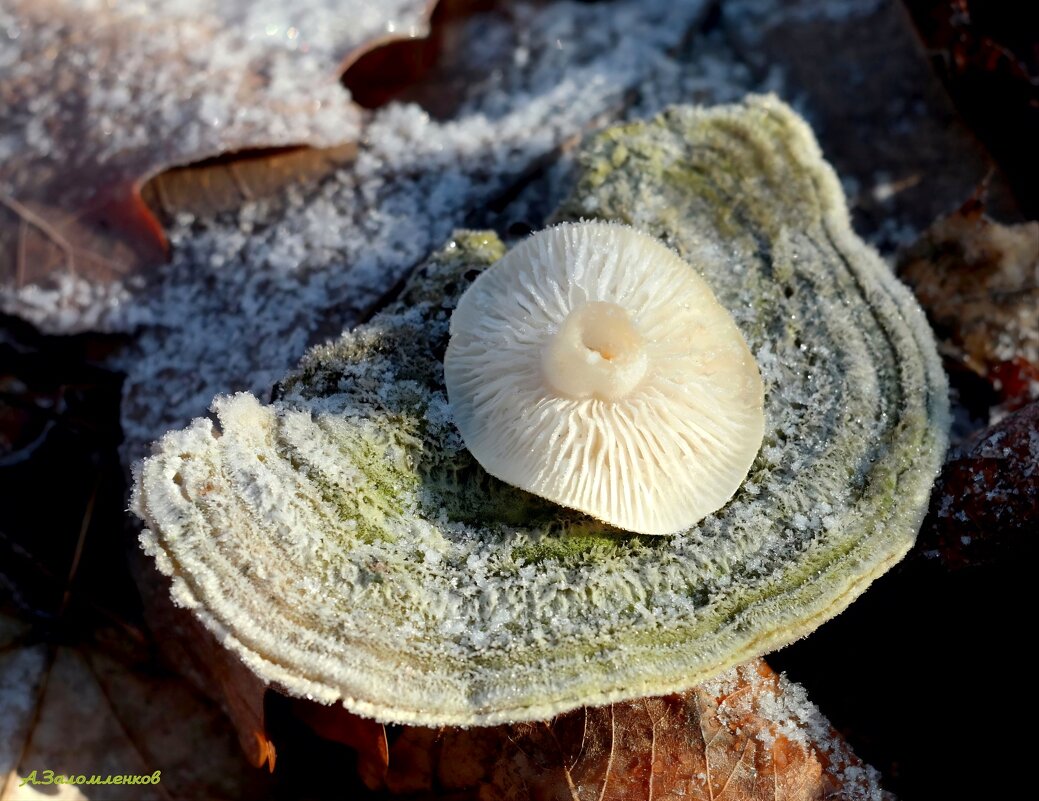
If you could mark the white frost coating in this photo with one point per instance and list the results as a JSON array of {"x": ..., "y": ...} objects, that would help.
[
  {"x": 98, "y": 95},
  {"x": 173, "y": 75},
  {"x": 538, "y": 76},
  {"x": 791, "y": 715},
  {"x": 756, "y": 16},
  {"x": 246, "y": 293},
  {"x": 594, "y": 367}
]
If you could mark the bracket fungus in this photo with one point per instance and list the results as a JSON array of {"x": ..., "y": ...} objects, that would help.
[
  {"x": 595, "y": 368},
  {"x": 344, "y": 542}
]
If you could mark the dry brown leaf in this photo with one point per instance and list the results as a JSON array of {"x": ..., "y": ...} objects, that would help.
[
  {"x": 745, "y": 736},
  {"x": 106, "y": 709},
  {"x": 364, "y": 735},
  {"x": 97, "y": 97},
  {"x": 225, "y": 183},
  {"x": 986, "y": 501},
  {"x": 978, "y": 281}
]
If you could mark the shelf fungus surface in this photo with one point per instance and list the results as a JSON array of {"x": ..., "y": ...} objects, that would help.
[{"x": 345, "y": 543}]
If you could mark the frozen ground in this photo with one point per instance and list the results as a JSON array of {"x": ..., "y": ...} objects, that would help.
[
  {"x": 98, "y": 95},
  {"x": 247, "y": 292}
]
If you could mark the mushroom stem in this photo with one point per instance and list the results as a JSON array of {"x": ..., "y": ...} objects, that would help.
[{"x": 596, "y": 353}]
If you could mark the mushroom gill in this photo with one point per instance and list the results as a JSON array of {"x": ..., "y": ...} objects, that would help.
[{"x": 595, "y": 368}]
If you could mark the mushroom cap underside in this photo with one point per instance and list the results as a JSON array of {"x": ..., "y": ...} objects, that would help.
[{"x": 594, "y": 367}]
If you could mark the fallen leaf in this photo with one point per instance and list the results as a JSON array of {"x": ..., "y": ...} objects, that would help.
[
  {"x": 97, "y": 97},
  {"x": 105, "y": 707},
  {"x": 986, "y": 501},
  {"x": 978, "y": 281},
  {"x": 748, "y": 734},
  {"x": 225, "y": 183},
  {"x": 365, "y": 736}
]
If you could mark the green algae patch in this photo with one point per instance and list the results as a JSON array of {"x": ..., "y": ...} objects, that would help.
[{"x": 345, "y": 544}]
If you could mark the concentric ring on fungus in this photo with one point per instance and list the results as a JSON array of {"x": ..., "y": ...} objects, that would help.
[{"x": 347, "y": 546}]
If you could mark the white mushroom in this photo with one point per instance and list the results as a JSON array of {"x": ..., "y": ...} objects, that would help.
[{"x": 594, "y": 367}]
